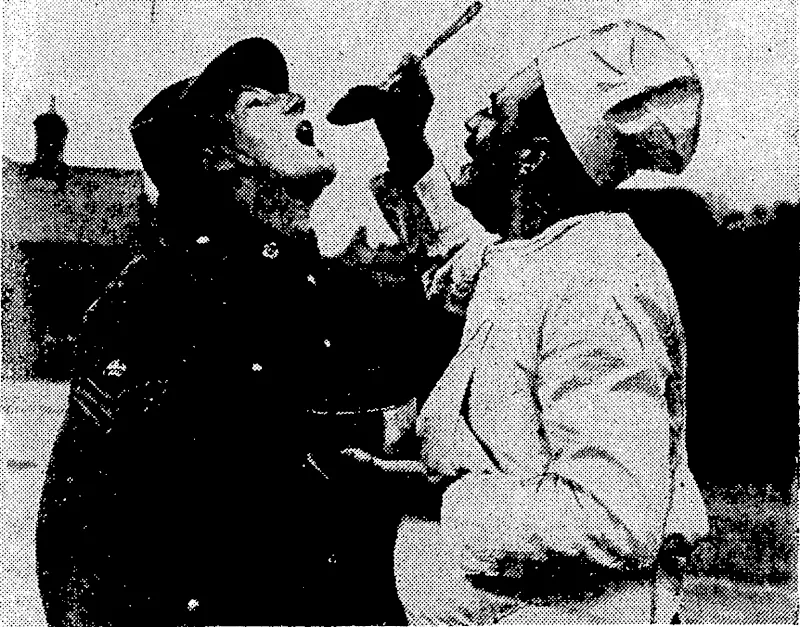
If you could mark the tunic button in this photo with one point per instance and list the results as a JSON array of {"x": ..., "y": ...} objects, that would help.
[
  {"x": 270, "y": 250},
  {"x": 203, "y": 239},
  {"x": 327, "y": 343},
  {"x": 311, "y": 279},
  {"x": 256, "y": 367},
  {"x": 193, "y": 604},
  {"x": 115, "y": 369}
]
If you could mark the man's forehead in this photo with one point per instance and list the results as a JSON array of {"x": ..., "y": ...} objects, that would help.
[{"x": 521, "y": 85}]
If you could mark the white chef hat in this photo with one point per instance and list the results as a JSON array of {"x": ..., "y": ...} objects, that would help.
[{"x": 625, "y": 100}]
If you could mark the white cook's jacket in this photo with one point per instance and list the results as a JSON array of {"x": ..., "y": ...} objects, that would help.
[{"x": 563, "y": 412}]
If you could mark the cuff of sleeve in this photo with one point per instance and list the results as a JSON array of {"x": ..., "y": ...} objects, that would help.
[
  {"x": 531, "y": 519},
  {"x": 479, "y": 524}
]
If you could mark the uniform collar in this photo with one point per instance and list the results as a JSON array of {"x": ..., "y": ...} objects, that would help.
[
  {"x": 554, "y": 232},
  {"x": 216, "y": 229}
]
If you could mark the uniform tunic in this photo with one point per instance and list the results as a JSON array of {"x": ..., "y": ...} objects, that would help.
[
  {"x": 186, "y": 485},
  {"x": 561, "y": 422}
]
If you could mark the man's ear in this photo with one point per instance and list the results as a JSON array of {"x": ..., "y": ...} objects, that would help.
[{"x": 527, "y": 160}]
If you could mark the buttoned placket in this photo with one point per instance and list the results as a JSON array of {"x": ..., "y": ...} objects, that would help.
[
  {"x": 270, "y": 252},
  {"x": 313, "y": 281}
]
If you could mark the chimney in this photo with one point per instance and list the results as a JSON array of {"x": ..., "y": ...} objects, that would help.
[{"x": 51, "y": 134}]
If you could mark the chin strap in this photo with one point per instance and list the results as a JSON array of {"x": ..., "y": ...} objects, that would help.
[{"x": 226, "y": 159}]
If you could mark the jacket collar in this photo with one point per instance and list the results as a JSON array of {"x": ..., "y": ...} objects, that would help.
[
  {"x": 561, "y": 228},
  {"x": 205, "y": 224}
]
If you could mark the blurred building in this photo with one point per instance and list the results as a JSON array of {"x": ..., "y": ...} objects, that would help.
[{"x": 66, "y": 231}]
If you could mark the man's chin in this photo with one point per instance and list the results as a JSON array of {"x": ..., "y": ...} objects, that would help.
[
  {"x": 473, "y": 180},
  {"x": 466, "y": 173},
  {"x": 466, "y": 185},
  {"x": 484, "y": 191}
]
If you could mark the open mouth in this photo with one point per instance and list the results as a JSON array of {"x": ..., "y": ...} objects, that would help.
[{"x": 305, "y": 133}]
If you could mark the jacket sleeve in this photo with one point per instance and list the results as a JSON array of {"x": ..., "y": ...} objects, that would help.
[
  {"x": 447, "y": 241},
  {"x": 605, "y": 490}
]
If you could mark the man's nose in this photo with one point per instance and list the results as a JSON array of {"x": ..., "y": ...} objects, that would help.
[{"x": 294, "y": 105}]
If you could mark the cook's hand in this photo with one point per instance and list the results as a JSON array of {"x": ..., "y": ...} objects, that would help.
[
  {"x": 404, "y": 99},
  {"x": 409, "y": 99},
  {"x": 409, "y": 485},
  {"x": 400, "y": 108}
]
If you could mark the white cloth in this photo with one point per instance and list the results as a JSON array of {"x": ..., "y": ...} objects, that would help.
[
  {"x": 435, "y": 590},
  {"x": 620, "y": 86},
  {"x": 564, "y": 409}
]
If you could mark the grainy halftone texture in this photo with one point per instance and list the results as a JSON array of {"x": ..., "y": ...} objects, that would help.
[{"x": 67, "y": 231}]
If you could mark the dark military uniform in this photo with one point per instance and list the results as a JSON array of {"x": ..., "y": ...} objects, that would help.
[
  {"x": 197, "y": 477},
  {"x": 186, "y": 484}
]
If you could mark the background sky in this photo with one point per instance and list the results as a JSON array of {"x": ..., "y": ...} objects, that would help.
[{"x": 104, "y": 59}]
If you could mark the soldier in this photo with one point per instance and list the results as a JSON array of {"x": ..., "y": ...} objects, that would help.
[
  {"x": 558, "y": 429},
  {"x": 214, "y": 375}
]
